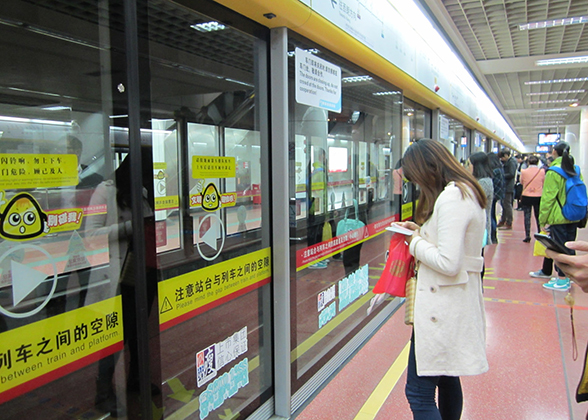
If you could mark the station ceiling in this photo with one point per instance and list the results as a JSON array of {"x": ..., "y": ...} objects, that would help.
[{"x": 504, "y": 57}]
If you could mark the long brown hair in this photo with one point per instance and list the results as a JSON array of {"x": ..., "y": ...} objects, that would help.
[{"x": 430, "y": 165}]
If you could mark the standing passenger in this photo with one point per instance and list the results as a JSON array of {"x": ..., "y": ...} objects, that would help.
[
  {"x": 510, "y": 171},
  {"x": 498, "y": 184},
  {"x": 532, "y": 179},
  {"x": 478, "y": 166},
  {"x": 449, "y": 337},
  {"x": 553, "y": 197}
]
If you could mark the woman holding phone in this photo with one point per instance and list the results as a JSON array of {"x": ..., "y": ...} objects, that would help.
[{"x": 449, "y": 338}]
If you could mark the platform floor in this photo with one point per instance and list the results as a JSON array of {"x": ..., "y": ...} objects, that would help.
[{"x": 532, "y": 373}]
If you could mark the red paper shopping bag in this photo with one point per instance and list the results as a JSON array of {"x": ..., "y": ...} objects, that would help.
[{"x": 399, "y": 268}]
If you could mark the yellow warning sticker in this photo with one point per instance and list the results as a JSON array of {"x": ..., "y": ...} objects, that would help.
[
  {"x": 43, "y": 351},
  {"x": 213, "y": 167},
  {"x": 168, "y": 202},
  {"x": 64, "y": 219},
  {"x": 190, "y": 294},
  {"x": 406, "y": 211},
  {"x": 20, "y": 170},
  {"x": 159, "y": 165}
]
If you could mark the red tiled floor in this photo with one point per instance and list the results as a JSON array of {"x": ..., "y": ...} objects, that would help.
[{"x": 532, "y": 373}]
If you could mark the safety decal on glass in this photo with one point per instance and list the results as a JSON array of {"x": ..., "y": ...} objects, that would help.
[
  {"x": 22, "y": 218},
  {"x": 23, "y": 170},
  {"x": 38, "y": 353},
  {"x": 210, "y": 199},
  {"x": 213, "y": 358},
  {"x": 190, "y": 294},
  {"x": 213, "y": 167}
]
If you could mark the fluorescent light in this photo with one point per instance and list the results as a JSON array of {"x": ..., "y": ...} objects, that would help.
[
  {"x": 386, "y": 93},
  {"x": 35, "y": 121},
  {"x": 356, "y": 79},
  {"x": 544, "y": 82},
  {"x": 118, "y": 116},
  {"x": 561, "y": 92},
  {"x": 552, "y": 109},
  {"x": 552, "y": 23},
  {"x": 57, "y": 108},
  {"x": 561, "y": 61},
  {"x": 208, "y": 26},
  {"x": 554, "y": 101}
]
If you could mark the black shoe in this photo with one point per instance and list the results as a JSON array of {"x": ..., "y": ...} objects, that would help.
[{"x": 527, "y": 240}]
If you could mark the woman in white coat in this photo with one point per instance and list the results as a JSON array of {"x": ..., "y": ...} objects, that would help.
[{"x": 449, "y": 338}]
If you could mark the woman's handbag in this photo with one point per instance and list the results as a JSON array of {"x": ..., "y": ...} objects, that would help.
[
  {"x": 399, "y": 268},
  {"x": 518, "y": 191},
  {"x": 409, "y": 302},
  {"x": 539, "y": 248},
  {"x": 347, "y": 225}
]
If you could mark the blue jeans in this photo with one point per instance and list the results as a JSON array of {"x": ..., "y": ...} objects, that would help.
[{"x": 420, "y": 392}]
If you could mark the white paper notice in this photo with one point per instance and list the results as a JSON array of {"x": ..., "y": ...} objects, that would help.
[{"x": 318, "y": 82}]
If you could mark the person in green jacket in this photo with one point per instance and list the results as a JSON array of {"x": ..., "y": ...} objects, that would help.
[{"x": 551, "y": 218}]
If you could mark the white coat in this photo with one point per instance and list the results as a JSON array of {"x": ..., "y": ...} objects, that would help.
[{"x": 449, "y": 317}]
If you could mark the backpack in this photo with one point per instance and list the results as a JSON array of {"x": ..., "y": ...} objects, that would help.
[{"x": 576, "y": 198}]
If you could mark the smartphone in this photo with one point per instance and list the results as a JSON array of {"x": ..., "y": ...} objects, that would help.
[
  {"x": 551, "y": 244},
  {"x": 400, "y": 229}
]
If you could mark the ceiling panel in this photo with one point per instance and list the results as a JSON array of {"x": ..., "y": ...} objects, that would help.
[{"x": 502, "y": 57}]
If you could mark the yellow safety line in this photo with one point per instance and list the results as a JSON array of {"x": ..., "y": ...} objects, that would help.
[{"x": 374, "y": 403}]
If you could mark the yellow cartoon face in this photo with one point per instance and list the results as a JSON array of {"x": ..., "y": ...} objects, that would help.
[
  {"x": 210, "y": 198},
  {"x": 22, "y": 219}
]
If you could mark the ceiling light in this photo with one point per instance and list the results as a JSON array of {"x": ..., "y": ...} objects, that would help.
[
  {"x": 57, "y": 108},
  {"x": 554, "y": 101},
  {"x": 561, "y": 92},
  {"x": 208, "y": 26},
  {"x": 575, "y": 104},
  {"x": 545, "y": 82},
  {"x": 561, "y": 61},
  {"x": 385, "y": 93},
  {"x": 552, "y": 23},
  {"x": 356, "y": 79},
  {"x": 35, "y": 121},
  {"x": 552, "y": 109}
]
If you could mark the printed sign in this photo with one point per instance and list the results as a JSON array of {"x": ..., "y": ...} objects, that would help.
[
  {"x": 22, "y": 218},
  {"x": 325, "y": 297},
  {"x": 38, "y": 353},
  {"x": 407, "y": 211},
  {"x": 224, "y": 388},
  {"x": 310, "y": 255},
  {"x": 20, "y": 170},
  {"x": 353, "y": 286},
  {"x": 168, "y": 202},
  {"x": 213, "y": 358},
  {"x": 185, "y": 296},
  {"x": 213, "y": 167},
  {"x": 318, "y": 82}
]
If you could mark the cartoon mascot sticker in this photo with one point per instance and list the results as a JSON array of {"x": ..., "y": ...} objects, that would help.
[{"x": 22, "y": 218}]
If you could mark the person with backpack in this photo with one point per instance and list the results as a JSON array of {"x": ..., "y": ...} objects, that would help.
[{"x": 563, "y": 205}]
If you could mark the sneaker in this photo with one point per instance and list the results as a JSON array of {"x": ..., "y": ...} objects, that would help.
[
  {"x": 319, "y": 265},
  {"x": 539, "y": 274},
  {"x": 559, "y": 284}
]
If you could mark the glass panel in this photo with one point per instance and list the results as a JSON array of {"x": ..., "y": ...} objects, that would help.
[
  {"x": 341, "y": 173},
  {"x": 214, "y": 313},
  {"x": 65, "y": 296}
]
